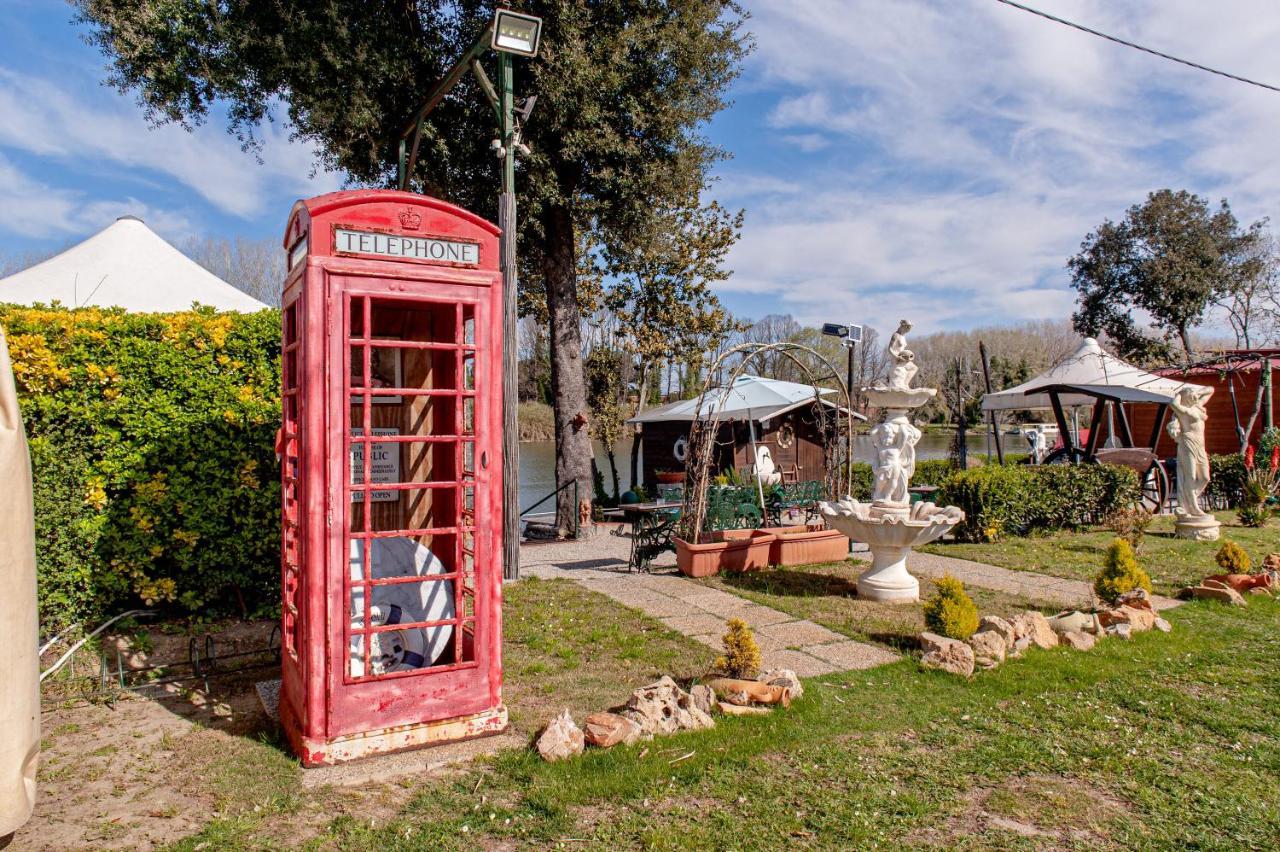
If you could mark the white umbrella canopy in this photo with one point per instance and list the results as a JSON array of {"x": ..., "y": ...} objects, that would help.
[
  {"x": 748, "y": 398},
  {"x": 1088, "y": 373},
  {"x": 124, "y": 265}
]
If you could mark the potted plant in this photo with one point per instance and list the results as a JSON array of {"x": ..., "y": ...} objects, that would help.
[{"x": 670, "y": 477}]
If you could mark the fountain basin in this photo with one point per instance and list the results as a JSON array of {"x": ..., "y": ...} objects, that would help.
[
  {"x": 890, "y": 534},
  {"x": 898, "y": 398}
]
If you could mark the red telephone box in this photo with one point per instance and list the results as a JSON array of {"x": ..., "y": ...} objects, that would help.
[{"x": 391, "y": 473}]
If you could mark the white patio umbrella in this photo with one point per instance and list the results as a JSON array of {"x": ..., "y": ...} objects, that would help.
[{"x": 1079, "y": 379}]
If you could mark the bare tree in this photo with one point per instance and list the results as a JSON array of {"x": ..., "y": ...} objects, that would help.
[
  {"x": 256, "y": 267},
  {"x": 1252, "y": 305}
]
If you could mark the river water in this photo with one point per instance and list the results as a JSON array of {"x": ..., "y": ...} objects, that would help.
[{"x": 538, "y": 460}]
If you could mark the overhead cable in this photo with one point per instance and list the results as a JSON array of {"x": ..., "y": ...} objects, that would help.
[{"x": 1187, "y": 62}]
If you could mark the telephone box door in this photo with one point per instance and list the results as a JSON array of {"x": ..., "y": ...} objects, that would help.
[{"x": 413, "y": 495}]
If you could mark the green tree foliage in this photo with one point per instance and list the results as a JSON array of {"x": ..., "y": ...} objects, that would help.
[
  {"x": 623, "y": 88},
  {"x": 1121, "y": 573},
  {"x": 604, "y": 394},
  {"x": 152, "y": 455},
  {"x": 1170, "y": 257},
  {"x": 951, "y": 612}
]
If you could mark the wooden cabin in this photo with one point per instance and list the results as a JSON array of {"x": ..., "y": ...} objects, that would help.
[
  {"x": 1221, "y": 437},
  {"x": 755, "y": 412}
]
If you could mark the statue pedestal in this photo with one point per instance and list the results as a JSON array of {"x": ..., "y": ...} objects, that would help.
[
  {"x": 887, "y": 578},
  {"x": 1197, "y": 527}
]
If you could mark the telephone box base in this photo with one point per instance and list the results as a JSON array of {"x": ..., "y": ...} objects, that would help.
[{"x": 319, "y": 752}]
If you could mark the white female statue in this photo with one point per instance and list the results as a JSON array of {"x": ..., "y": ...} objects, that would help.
[
  {"x": 904, "y": 368},
  {"x": 1187, "y": 430}
]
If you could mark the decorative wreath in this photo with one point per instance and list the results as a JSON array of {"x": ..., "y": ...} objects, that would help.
[
  {"x": 681, "y": 448},
  {"x": 786, "y": 435}
]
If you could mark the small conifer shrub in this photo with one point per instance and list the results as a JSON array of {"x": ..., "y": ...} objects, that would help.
[
  {"x": 1121, "y": 574},
  {"x": 951, "y": 612},
  {"x": 741, "y": 656},
  {"x": 1233, "y": 559}
]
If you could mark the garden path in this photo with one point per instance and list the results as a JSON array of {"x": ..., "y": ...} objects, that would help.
[
  {"x": 1074, "y": 594},
  {"x": 599, "y": 563}
]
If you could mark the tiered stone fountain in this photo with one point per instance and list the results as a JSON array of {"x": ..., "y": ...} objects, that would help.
[{"x": 890, "y": 524}]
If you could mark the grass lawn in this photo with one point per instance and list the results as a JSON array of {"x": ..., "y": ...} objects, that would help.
[
  {"x": 1171, "y": 562},
  {"x": 1162, "y": 742},
  {"x": 826, "y": 594}
]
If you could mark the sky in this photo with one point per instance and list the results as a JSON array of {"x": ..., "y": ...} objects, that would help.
[{"x": 932, "y": 159}]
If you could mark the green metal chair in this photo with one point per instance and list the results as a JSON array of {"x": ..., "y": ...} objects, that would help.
[{"x": 651, "y": 536}]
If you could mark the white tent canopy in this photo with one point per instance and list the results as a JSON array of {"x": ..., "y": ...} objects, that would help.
[
  {"x": 1083, "y": 377},
  {"x": 125, "y": 265},
  {"x": 748, "y": 398}
]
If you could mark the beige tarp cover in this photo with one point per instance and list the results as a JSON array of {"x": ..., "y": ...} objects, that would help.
[{"x": 19, "y": 640}]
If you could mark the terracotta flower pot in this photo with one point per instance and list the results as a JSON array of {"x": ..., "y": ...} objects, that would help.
[
  {"x": 699, "y": 560},
  {"x": 735, "y": 551},
  {"x": 670, "y": 477},
  {"x": 748, "y": 550},
  {"x": 809, "y": 547}
]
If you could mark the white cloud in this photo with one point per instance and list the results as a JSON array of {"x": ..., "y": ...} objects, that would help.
[
  {"x": 52, "y": 120},
  {"x": 972, "y": 146},
  {"x": 31, "y": 208}
]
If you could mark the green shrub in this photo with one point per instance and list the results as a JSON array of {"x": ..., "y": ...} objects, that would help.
[
  {"x": 1233, "y": 558},
  {"x": 1023, "y": 499},
  {"x": 152, "y": 448},
  {"x": 1226, "y": 481},
  {"x": 951, "y": 612},
  {"x": 1120, "y": 574},
  {"x": 741, "y": 656}
]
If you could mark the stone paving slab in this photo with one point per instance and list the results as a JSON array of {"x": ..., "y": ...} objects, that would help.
[
  {"x": 698, "y": 623},
  {"x": 848, "y": 655},
  {"x": 801, "y": 663},
  {"x": 797, "y": 634}
]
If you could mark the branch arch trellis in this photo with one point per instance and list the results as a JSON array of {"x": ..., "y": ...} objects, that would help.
[{"x": 835, "y": 428}]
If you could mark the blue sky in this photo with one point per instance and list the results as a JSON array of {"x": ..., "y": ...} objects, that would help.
[{"x": 895, "y": 157}]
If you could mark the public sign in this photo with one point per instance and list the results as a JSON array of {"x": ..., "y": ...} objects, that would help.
[{"x": 347, "y": 241}]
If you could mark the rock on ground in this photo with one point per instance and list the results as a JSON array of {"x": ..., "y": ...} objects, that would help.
[
  {"x": 783, "y": 677},
  {"x": 663, "y": 707},
  {"x": 1162, "y": 625},
  {"x": 562, "y": 739},
  {"x": 1138, "y": 619},
  {"x": 1034, "y": 626},
  {"x": 1078, "y": 640},
  {"x": 704, "y": 698},
  {"x": 608, "y": 729},
  {"x": 988, "y": 649},
  {"x": 948, "y": 655},
  {"x": 1000, "y": 627},
  {"x": 1120, "y": 631}
]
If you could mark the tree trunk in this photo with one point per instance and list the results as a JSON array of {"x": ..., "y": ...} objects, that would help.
[
  {"x": 613, "y": 471},
  {"x": 568, "y": 381},
  {"x": 1185, "y": 336},
  {"x": 642, "y": 390}
]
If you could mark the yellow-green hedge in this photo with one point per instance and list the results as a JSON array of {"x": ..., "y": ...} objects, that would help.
[{"x": 152, "y": 445}]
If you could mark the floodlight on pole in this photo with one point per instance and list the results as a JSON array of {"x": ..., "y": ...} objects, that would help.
[
  {"x": 850, "y": 335},
  {"x": 516, "y": 33},
  {"x": 508, "y": 34}
]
